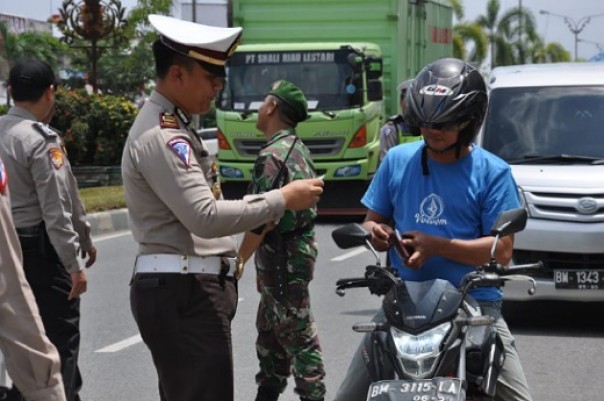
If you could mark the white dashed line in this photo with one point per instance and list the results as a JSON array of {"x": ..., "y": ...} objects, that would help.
[
  {"x": 121, "y": 344},
  {"x": 350, "y": 254},
  {"x": 110, "y": 236}
]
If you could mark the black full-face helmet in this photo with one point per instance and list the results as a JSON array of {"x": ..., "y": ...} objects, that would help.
[{"x": 447, "y": 93}]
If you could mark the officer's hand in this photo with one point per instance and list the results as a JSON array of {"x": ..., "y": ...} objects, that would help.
[
  {"x": 91, "y": 256},
  {"x": 78, "y": 284},
  {"x": 302, "y": 194}
]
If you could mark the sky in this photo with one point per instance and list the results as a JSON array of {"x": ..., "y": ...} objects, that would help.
[{"x": 551, "y": 28}]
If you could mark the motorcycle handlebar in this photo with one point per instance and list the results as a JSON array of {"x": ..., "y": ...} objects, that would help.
[
  {"x": 512, "y": 269},
  {"x": 345, "y": 283},
  {"x": 527, "y": 266}
]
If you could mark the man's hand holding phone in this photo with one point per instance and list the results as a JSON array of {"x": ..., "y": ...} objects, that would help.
[{"x": 396, "y": 241}]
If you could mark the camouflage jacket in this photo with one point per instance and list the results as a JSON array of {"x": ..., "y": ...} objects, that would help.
[{"x": 295, "y": 228}]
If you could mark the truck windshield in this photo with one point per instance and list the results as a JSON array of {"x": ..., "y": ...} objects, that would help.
[
  {"x": 546, "y": 124},
  {"x": 325, "y": 77}
]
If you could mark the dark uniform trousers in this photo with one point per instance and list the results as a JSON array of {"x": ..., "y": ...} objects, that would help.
[
  {"x": 51, "y": 285},
  {"x": 185, "y": 320}
]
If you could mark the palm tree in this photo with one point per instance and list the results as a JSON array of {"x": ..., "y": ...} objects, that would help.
[
  {"x": 6, "y": 44},
  {"x": 550, "y": 53},
  {"x": 465, "y": 33},
  {"x": 514, "y": 39}
]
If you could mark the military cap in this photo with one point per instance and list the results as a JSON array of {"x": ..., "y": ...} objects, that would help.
[
  {"x": 28, "y": 75},
  {"x": 210, "y": 45},
  {"x": 296, "y": 107}
]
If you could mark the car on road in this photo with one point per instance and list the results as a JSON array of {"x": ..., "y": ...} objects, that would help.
[{"x": 547, "y": 122}]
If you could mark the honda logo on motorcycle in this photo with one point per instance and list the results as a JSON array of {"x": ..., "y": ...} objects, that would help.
[{"x": 587, "y": 205}]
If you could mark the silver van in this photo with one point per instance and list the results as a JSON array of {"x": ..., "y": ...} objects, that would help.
[{"x": 547, "y": 122}]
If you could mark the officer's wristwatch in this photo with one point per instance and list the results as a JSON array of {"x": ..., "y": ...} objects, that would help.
[{"x": 239, "y": 265}]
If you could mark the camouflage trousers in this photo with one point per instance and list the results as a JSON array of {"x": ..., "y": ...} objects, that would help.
[{"x": 288, "y": 342}]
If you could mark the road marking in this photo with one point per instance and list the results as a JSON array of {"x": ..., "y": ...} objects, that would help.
[
  {"x": 350, "y": 254},
  {"x": 110, "y": 236},
  {"x": 122, "y": 344}
]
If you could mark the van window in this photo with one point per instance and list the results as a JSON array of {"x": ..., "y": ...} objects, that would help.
[{"x": 545, "y": 121}]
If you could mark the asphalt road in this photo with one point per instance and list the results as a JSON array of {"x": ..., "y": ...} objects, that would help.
[{"x": 561, "y": 345}]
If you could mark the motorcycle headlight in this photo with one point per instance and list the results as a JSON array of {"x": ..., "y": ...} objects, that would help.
[{"x": 418, "y": 354}]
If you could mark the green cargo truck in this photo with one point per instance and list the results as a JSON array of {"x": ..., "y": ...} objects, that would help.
[{"x": 348, "y": 56}]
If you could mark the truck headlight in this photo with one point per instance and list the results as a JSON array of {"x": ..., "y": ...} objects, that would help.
[
  {"x": 419, "y": 354},
  {"x": 348, "y": 171},
  {"x": 230, "y": 172}
]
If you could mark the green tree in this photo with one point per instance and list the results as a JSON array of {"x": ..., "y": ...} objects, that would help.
[
  {"x": 16, "y": 47},
  {"x": 465, "y": 34},
  {"x": 513, "y": 37},
  {"x": 126, "y": 71},
  {"x": 550, "y": 53}
]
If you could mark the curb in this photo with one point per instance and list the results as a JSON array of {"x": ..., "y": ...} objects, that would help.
[{"x": 108, "y": 222}]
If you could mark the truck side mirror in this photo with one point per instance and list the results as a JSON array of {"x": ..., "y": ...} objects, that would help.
[
  {"x": 374, "y": 67},
  {"x": 375, "y": 91}
]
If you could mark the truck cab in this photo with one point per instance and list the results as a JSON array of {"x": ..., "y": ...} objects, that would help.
[{"x": 343, "y": 87}]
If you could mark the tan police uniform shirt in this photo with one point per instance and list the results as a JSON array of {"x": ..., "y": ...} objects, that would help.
[
  {"x": 173, "y": 199},
  {"x": 31, "y": 360},
  {"x": 43, "y": 188}
]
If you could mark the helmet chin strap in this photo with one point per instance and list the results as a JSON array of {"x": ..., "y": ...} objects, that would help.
[{"x": 456, "y": 146}]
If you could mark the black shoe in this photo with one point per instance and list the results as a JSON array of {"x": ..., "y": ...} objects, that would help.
[
  {"x": 267, "y": 394},
  {"x": 308, "y": 399}
]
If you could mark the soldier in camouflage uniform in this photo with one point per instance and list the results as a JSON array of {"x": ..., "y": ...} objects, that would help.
[{"x": 287, "y": 333}]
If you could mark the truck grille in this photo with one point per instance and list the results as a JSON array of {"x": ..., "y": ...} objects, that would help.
[
  {"x": 559, "y": 260},
  {"x": 317, "y": 147},
  {"x": 577, "y": 207}
]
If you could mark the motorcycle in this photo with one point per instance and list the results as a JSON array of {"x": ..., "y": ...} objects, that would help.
[{"x": 434, "y": 344}]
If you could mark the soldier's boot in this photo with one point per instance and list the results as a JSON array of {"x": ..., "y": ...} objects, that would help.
[{"x": 267, "y": 394}]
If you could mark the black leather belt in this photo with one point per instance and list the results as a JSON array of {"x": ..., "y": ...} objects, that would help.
[{"x": 30, "y": 231}]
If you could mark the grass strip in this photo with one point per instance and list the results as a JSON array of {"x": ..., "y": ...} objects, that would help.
[{"x": 98, "y": 199}]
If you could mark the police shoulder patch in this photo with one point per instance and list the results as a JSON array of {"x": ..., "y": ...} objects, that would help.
[
  {"x": 168, "y": 120},
  {"x": 45, "y": 130},
  {"x": 182, "y": 148},
  {"x": 56, "y": 157},
  {"x": 3, "y": 178}
]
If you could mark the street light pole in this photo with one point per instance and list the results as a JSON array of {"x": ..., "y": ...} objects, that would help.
[
  {"x": 575, "y": 27},
  {"x": 598, "y": 45}
]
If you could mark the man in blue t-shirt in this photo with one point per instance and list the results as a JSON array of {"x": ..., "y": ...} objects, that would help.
[{"x": 444, "y": 194}]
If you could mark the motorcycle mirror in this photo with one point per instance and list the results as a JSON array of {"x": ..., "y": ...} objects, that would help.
[
  {"x": 509, "y": 222},
  {"x": 350, "y": 236}
]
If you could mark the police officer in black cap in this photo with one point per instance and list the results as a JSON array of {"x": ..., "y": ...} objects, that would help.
[{"x": 47, "y": 212}]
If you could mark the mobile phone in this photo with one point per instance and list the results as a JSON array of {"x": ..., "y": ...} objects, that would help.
[{"x": 396, "y": 241}]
